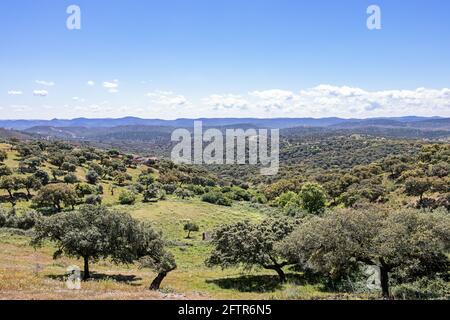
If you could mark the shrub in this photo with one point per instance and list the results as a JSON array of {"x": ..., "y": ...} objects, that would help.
[
  {"x": 28, "y": 220},
  {"x": 127, "y": 197},
  {"x": 218, "y": 198},
  {"x": 93, "y": 199},
  {"x": 183, "y": 193},
  {"x": 259, "y": 198},
  {"x": 25, "y": 221},
  {"x": 239, "y": 194},
  {"x": 83, "y": 189},
  {"x": 287, "y": 198},
  {"x": 70, "y": 178},
  {"x": 169, "y": 188},
  {"x": 422, "y": 289},
  {"x": 196, "y": 189}
]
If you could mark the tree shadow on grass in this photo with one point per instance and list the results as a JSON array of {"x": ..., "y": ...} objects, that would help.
[
  {"x": 127, "y": 279},
  {"x": 255, "y": 283}
]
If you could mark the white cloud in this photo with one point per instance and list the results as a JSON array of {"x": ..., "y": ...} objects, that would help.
[
  {"x": 327, "y": 101},
  {"x": 90, "y": 83},
  {"x": 112, "y": 86},
  {"x": 45, "y": 83},
  {"x": 15, "y": 92},
  {"x": 224, "y": 102},
  {"x": 274, "y": 94},
  {"x": 40, "y": 93},
  {"x": 167, "y": 98}
]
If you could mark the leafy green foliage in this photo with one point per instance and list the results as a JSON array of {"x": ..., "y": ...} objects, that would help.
[
  {"x": 56, "y": 195},
  {"x": 251, "y": 245},
  {"x": 404, "y": 241},
  {"x": 96, "y": 232},
  {"x": 216, "y": 197},
  {"x": 127, "y": 197},
  {"x": 313, "y": 198},
  {"x": 190, "y": 227}
]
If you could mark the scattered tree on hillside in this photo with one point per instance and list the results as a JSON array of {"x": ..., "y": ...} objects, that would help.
[
  {"x": 313, "y": 198},
  {"x": 96, "y": 232},
  {"x": 251, "y": 245},
  {"x": 70, "y": 178},
  {"x": 11, "y": 183},
  {"x": 417, "y": 187},
  {"x": 43, "y": 177},
  {"x": 3, "y": 155},
  {"x": 190, "y": 227},
  {"x": 31, "y": 183},
  {"x": 5, "y": 170},
  {"x": 406, "y": 241},
  {"x": 92, "y": 177},
  {"x": 55, "y": 196}
]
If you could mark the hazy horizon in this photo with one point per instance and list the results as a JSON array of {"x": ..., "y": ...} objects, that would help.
[{"x": 212, "y": 118}]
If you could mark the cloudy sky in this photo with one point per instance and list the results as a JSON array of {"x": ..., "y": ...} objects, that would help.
[{"x": 224, "y": 58}]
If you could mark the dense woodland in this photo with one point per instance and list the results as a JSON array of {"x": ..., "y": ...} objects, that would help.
[{"x": 342, "y": 206}]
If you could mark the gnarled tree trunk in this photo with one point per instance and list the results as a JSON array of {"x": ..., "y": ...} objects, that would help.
[
  {"x": 279, "y": 269},
  {"x": 156, "y": 283},
  {"x": 86, "y": 274}
]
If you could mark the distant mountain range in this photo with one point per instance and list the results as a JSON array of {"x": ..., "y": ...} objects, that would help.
[{"x": 429, "y": 123}]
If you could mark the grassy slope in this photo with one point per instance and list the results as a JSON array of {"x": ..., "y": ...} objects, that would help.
[{"x": 29, "y": 273}]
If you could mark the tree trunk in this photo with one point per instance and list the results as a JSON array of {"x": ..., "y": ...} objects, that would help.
[
  {"x": 281, "y": 274},
  {"x": 384, "y": 279},
  {"x": 86, "y": 274},
  {"x": 279, "y": 270},
  {"x": 156, "y": 283}
]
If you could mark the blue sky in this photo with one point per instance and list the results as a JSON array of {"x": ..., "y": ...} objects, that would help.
[{"x": 193, "y": 58}]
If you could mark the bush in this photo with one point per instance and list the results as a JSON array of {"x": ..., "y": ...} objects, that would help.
[
  {"x": 25, "y": 221},
  {"x": 3, "y": 219},
  {"x": 92, "y": 177},
  {"x": 127, "y": 197},
  {"x": 28, "y": 220},
  {"x": 93, "y": 199},
  {"x": 287, "y": 198},
  {"x": 169, "y": 188},
  {"x": 216, "y": 198},
  {"x": 422, "y": 289},
  {"x": 259, "y": 198},
  {"x": 70, "y": 178},
  {"x": 239, "y": 194},
  {"x": 196, "y": 189},
  {"x": 83, "y": 189},
  {"x": 183, "y": 193},
  {"x": 294, "y": 210},
  {"x": 162, "y": 195}
]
